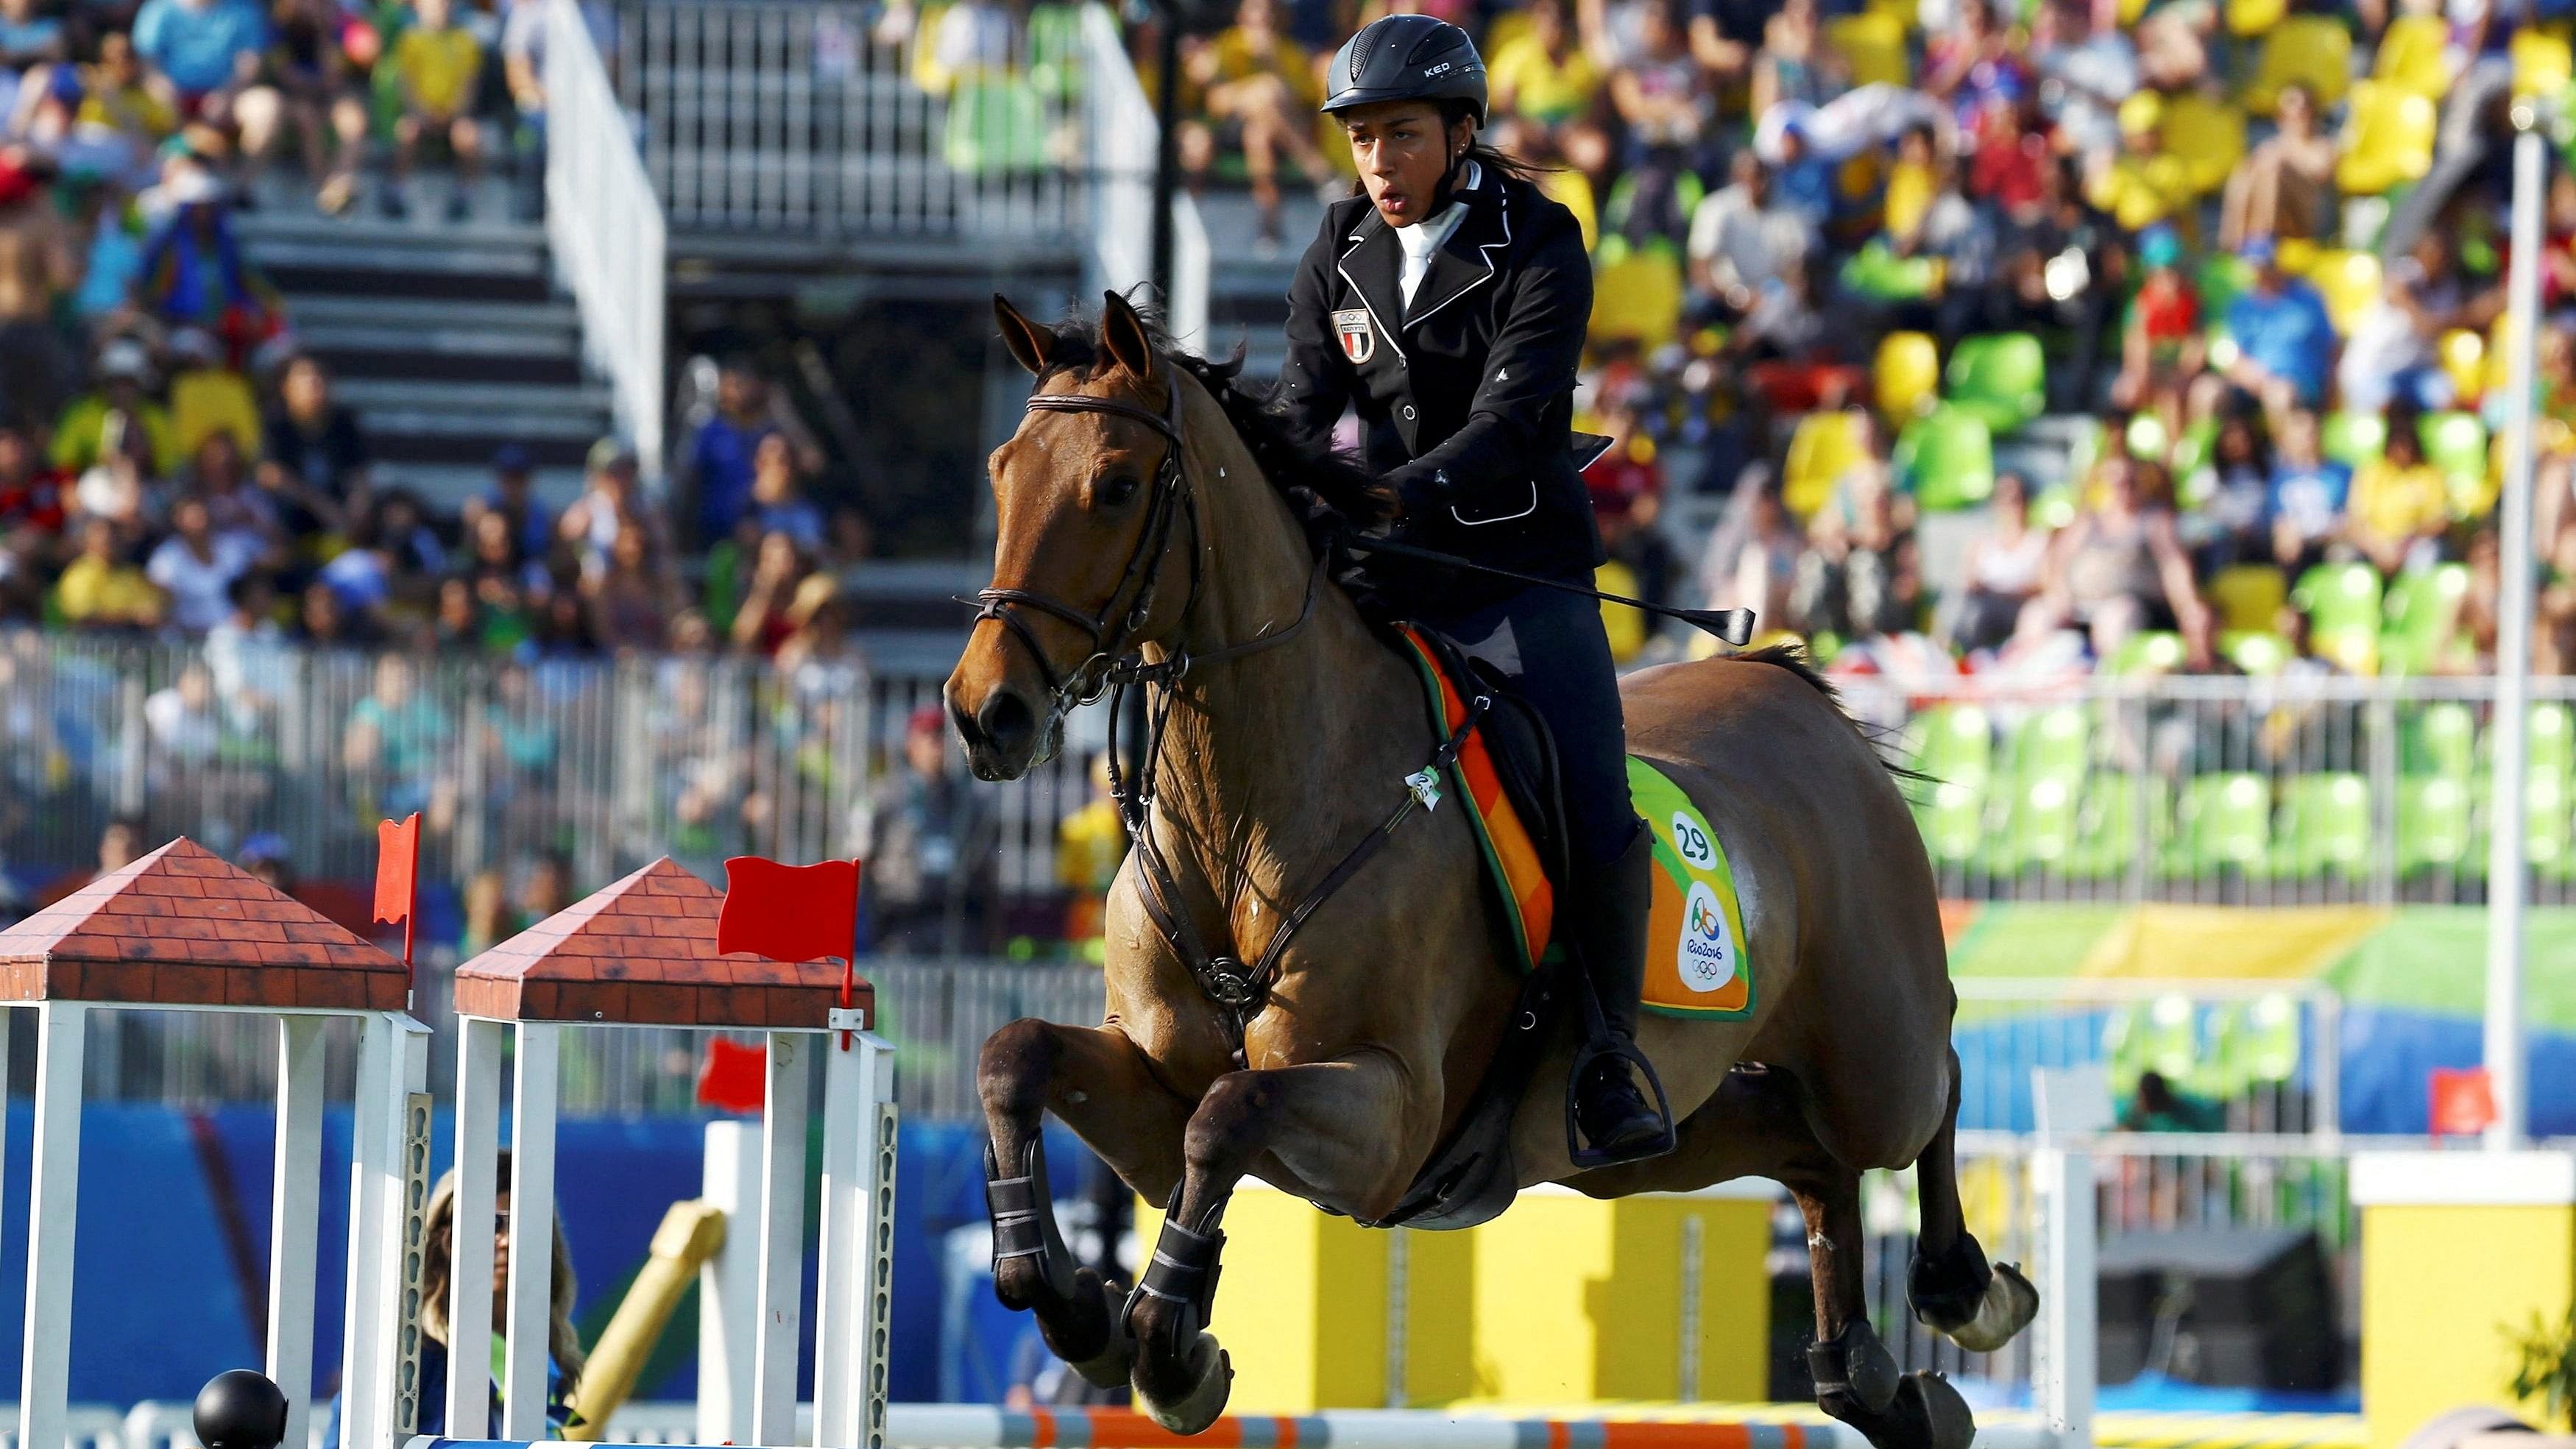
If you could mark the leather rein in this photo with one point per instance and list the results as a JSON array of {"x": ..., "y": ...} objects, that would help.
[{"x": 1115, "y": 664}]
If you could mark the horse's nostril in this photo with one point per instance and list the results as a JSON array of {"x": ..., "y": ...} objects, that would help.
[{"x": 1007, "y": 723}]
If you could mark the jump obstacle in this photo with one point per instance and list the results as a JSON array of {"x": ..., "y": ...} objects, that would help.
[{"x": 181, "y": 929}]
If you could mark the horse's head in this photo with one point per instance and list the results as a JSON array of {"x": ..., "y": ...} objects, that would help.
[{"x": 1087, "y": 495}]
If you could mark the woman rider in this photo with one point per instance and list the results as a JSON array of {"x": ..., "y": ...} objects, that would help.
[{"x": 1448, "y": 307}]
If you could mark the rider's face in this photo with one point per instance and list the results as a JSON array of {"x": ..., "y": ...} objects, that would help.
[{"x": 1401, "y": 148}]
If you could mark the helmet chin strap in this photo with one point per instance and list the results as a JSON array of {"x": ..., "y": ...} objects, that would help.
[{"x": 1440, "y": 194}]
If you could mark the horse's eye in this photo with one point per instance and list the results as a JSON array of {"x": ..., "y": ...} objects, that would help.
[{"x": 1118, "y": 488}]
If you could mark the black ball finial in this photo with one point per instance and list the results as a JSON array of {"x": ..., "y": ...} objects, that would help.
[{"x": 240, "y": 1409}]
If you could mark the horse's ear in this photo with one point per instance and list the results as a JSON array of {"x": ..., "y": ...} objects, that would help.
[
  {"x": 1123, "y": 332},
  {"x": 1028, "y": 342}
]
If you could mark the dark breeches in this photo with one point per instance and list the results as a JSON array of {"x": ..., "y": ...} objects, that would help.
[{"x": 1551, "y": 649}]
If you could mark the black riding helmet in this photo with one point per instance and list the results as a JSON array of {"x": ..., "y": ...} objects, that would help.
[{"x": 1408, "y": 58}]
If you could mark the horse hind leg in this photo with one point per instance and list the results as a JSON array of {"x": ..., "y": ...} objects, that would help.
[
  {"x": 1024, "y": 1067},
  {"x": 1856, "y": 1378},
  {"x": 1949, "y": 1284}
]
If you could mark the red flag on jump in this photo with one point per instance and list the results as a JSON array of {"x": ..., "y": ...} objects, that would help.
[
  {"x": 397, "y": 868},
  {"x": 2463, "y": 1101},
  {"x": 789, "y": 912}
]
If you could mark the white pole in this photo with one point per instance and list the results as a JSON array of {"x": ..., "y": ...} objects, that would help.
[
  {"x": 371, "y": 1152},
  {"x": 402, "y": 1225},
  {"x": 469, "y": 1279},
  {"x": 729, "y": 1286},
  {"x": 2504, "y": 1043},
  {"x": 295, "y": 1217},
  {"x": 782, "y": 1242},
  {"x": 52, "y": 1215},
  {"x": 532, "y": 1237},
  {"x": 2062, "y": 1182}
]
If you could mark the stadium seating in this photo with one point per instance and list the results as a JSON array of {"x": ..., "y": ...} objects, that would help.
[
  {"x": 2349, "y": 281},
  {"x": 2438, "y": 740},
  {"x": 1638, "y": 298},
  {"x": 2342, "y": 602},
  {"x": 2353, "y": 439},
  {"x": 1947, "y": 458},
  {"x": 2456, "y": 443},
  {"x": 2541, "y": 62},
  {"x": 2387, "y": 139},
  {"x": 2433, "y": 828},
  {"x": 1873, "y": 44},
  {"x": 2310, "y": 50},
  {"x": 2411, "y": 56},
  {"x": 2000, "y": 379},
  {"x": 2206, "y": 134},
  {"x": 2420, "y": 607},
  {"x": 2248, "y": 597},
  {"x": 2224, "y": 824},
  {"x": 1824, "y": 446},
  {"x": 2464, "y": 362},
  {"x": 2326, "y": 825},
  {"x": 1906, "y": 377}
]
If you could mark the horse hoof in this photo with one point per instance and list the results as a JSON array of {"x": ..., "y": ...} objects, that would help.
[
  {"x": 1943, "y": 1418},
  {"x": 1092, "y": 1335},
  {"x": 1211, "y": 1380},
  {"x": 2010, "y": 1303}
]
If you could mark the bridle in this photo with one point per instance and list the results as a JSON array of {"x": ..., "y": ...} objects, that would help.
[{"x": 1116, "y": 664}]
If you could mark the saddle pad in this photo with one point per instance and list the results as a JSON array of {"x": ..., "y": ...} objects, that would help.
[
  {"x": 1695, "y": 962},
  {"x": 1529, "y": 899}
]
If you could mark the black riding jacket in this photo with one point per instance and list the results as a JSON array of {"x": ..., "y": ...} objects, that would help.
[{"x": 1467, "y": 395}]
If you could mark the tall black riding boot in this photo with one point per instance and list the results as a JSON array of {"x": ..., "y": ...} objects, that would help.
[{"x": 1617, "y": 1119}]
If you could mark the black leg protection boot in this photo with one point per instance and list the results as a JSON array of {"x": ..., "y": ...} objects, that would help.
[{"x": 1611, "y": 1117}]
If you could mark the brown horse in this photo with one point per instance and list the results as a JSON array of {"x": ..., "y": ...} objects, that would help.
[{"x": 1144, "y": 508}]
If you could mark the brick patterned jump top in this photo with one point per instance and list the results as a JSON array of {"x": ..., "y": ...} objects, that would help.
[
  {"x": 184, "y": 927},
  {"x": 642, "y": 952}
]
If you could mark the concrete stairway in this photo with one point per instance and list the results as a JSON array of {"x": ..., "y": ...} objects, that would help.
[{"x": 449, "y": 341}]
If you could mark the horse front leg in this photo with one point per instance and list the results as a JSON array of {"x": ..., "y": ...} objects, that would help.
[
  {"x": 1096, "y": 1080},
  {"x": 1335, "y": 1127}
]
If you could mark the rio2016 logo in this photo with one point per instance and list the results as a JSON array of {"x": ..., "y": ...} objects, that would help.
[{"x": 1705, "y": 955}]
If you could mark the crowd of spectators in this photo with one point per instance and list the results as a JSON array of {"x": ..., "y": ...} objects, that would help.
[{"x": 2039, "y": 337}]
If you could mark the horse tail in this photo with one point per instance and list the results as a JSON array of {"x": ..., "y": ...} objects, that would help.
[{"x": 1792, "y": 656}]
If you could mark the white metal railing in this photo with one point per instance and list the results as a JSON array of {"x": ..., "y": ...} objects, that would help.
[
  {"x": 1125, "y": 138},
  {"x": 935, "y": 119},
  {"x": 606, "y": 229}
]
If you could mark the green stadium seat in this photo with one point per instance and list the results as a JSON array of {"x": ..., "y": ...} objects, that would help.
[
  {"x": 2161, "y": 1036},
  {"x": 2258, "y": 652},
  {"x": 2440, "y": 738},
  {"x": 1947, "y": 458},
  {"x": 2421, "y": 608},
  {"x": 2353, "y": 439},
  {"x": 1953, "y": 821},
  {"x": 2549, "y": 741},
  {"x": 2326, "y": 826},
  {"x": 2147, "y": 438},
  {"x": 1954, "y": 743},
  {"x": 996, "y": 123},
  {"x": 2041, "y": 835},
  {"x": 2148, "y": 651},
  {"x": 2056, "y": 742},
  {"x": 2225, "y": 823},
  {"x": 2341, "y": 601},
  {"x": 2433, "y": 825},
  {"x": 2256, "y": 1045},
  {"x": 2456, "y": 443},
  {"x": 2107, "y": 837},
  {"x": 2000, "y": 379},
  {"x": 2190, "y": 452},
  {"x": 2546, "y": 830}
]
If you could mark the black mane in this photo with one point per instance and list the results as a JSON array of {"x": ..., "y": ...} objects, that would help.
[{"x": 1327, "y": 489}]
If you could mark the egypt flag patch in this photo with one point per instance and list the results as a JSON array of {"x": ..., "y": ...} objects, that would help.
[{"x": 1358, "y": 334}]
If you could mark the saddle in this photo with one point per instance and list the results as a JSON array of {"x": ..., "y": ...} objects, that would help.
[{"x": 1507, "y": 775}]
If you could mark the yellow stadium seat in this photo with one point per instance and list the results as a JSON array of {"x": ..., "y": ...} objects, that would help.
[
  {"x": 2297, "y": 254},
  {"x": 2313, "y": 50},
  {"x": 2248, "y": 596},
  {"x": 2247, "y": 18},
  {"x": 2349, "y": 282},
  {"x": 1907, "y": 376},
  {"x": 1824, "y": 447},
  {"x": 2499, "y": 351},
  {"x": 1506, "y": 27},
  {"x": 1906, "y": 13},
  {"x": 2412, "y": 58},
  {"x": 2387, "y": 139},
  {"x": 2207, "y": 135},
  {"x": 1873, "y": 42},
  {"x": 2541, "y": 63},
  {"x": 2464, "y": 356},
  {"x": 1638, "y": 298}
]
